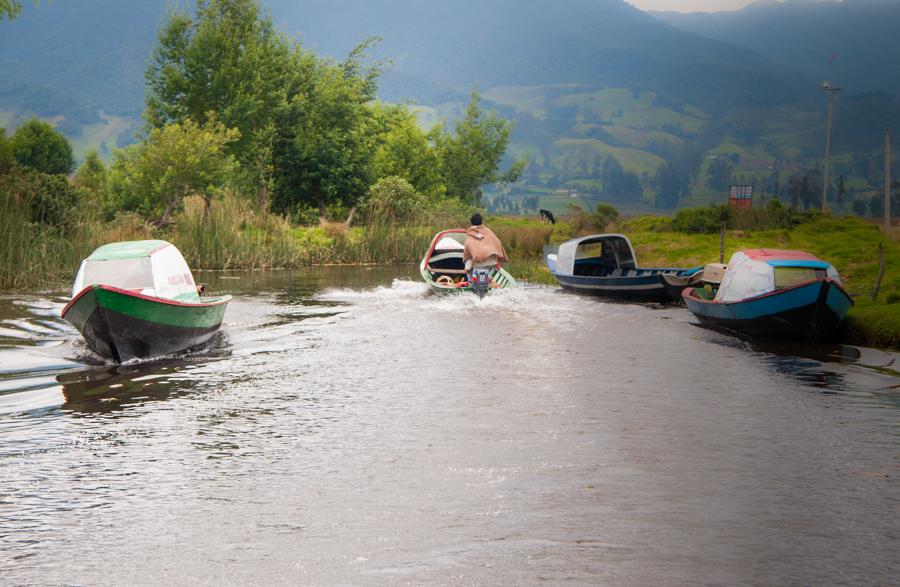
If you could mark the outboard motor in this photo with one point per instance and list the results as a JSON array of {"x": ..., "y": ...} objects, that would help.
[{"x": 481, "y": 281}]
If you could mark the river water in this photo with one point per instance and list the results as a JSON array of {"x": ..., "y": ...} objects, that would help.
[{"x": 345, "y": 427}]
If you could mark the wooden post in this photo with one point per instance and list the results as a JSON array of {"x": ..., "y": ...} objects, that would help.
[
  {"x": 887, "y": 180},
  {"x": 880, "y": 271},
  {"x": 722, "y": 244}
]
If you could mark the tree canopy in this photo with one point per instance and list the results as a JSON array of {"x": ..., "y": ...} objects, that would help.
[
  {"x": 37, "y": 145},
  {"x": 180, "y": 159},
  {"x": 309, "y": 131},
  {"x": 471, "y": 157}
]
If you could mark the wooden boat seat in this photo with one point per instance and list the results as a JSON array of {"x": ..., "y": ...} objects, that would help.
[{"x": 447, "y": 271}]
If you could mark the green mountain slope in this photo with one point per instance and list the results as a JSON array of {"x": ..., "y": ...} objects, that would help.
[{"x": 850, "y": 42}]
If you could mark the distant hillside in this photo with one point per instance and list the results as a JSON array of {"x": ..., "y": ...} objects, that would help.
[
  {"x": 851, "y": 43},
  {"x": 603, "y": 96},
  {"x": 603, "y": 43}
]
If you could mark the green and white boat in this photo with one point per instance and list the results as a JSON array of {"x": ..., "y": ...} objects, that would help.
[
  {"x": 444, "y": 270},
  {"x": 138, "y": 299}
]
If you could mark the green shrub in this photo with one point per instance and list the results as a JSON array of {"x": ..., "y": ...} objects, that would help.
[
  {"x": 604, "y": 215},
  {"x": 393, "y": 200},
  {"x": 774, "y": 215},
  {"x": 701, "y": 220}
]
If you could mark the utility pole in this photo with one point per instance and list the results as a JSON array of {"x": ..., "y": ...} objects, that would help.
[
  {"x": 831, "y": 91},
  {"x": 887, "y": 180}
]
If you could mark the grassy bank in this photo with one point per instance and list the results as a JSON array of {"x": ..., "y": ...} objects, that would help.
[
  {"x": 849, "y": 243},
  {"x": 232, "y": 234}
]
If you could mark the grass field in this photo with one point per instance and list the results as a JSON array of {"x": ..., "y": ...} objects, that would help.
[
  {"x": 103, "y": 136},
  {"x": 587, "y": 150}
]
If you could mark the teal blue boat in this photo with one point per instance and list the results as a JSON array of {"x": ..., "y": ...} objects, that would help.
[{"x": 138, "y": 300}]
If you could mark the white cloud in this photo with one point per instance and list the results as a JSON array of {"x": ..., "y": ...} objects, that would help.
[{"x": 694, "y": 5}]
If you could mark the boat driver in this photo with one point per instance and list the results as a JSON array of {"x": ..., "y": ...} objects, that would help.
[{"x": 482, "y": 248}]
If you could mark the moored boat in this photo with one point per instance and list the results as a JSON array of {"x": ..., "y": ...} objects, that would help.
[
  {"x": 773, "y": 293},
  {"x": 444, "y": 269},
  {"x": 138, "y": 299},
  {"x": 605, "y": 265}
]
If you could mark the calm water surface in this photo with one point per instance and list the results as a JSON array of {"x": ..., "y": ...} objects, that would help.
[{"x": 346, "y": 428}]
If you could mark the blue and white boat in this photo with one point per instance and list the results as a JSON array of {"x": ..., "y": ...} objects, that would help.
[
  {"x": 605, "y": 265},
  {"x": 773, "y": 294}
]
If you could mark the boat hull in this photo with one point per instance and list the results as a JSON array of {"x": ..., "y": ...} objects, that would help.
[
  {"x": 121, "y": 325},
  {"x": 808, "y": 311},
  {"x": 501, "y": 279},
  {"x": 639, "y": 288}
]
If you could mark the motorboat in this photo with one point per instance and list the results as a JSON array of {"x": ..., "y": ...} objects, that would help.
[
  {"x": 444, "y": 269},
  {"x": 772, "y": 293},
  {"x": 138, "y": 299},
  {"x": 605, "y": 265}
]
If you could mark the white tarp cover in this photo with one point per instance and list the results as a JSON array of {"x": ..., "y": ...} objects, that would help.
[
  {"x": 448, "y": 243},
  {"x": 133, "y": 274},
  {"x": 172, "y": 277},
  {"x": 745, "y": 278},
  {"x": 164, "y": 274}
]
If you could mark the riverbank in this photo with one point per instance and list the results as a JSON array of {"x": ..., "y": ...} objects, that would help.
[
  {"x": 232, "y": 234},
  {"x": 848, "y": 243}
]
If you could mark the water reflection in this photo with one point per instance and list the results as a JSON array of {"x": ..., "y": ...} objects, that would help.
[{"x": 115, "y": 387}]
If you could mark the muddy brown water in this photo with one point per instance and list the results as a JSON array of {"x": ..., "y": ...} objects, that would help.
[{"x": 345, "y": 427}]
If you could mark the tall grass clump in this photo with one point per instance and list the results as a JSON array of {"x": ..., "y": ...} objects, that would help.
[
  {"x": 232, "y": 234},
  {"x": 40, "y": 237},
  {"x": 773, "y": 215}
]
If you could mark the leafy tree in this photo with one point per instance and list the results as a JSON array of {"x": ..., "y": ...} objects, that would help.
[
  {"x": 720, "y": 170},
  {"x": 229, "y": 59},
  {"x": 603, "y": 215},
  {"x": 471, "y": 157},
  {"x": 324, "y": 153},
  {"x": 619, "y": 184},
  {"x": 92, "y": 175},
  {"x": 10, "y": 9},
  {"x": 50, "y": 199},
  {"x": 671, "y": 186},
  {"x": 405, "y": 150},
  {"x": 805, "y": 189},
  {"x": 177, "y": 160},
  {"x": 37, "y": 145},
  {"x": 7, "y": 160},
  {"x": 393, "y": 199}
]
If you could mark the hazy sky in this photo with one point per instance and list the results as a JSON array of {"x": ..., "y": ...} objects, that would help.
[{"x": 691, "y": 5}]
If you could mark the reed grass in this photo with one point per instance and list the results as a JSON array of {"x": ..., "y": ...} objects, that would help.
[{"x": 232, "y": 234}]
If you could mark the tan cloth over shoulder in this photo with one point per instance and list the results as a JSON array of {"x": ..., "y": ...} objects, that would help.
[{"x": 481, "y": 243}]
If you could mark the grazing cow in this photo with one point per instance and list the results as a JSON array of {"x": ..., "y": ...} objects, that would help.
[{"x": 547, "y": 215}]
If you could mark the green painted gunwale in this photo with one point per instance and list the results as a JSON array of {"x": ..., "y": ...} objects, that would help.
[
  {"x": 208, "y": 313},
  {"x": 500, "y": 275}
]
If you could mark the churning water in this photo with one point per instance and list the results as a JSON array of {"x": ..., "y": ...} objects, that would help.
[{"x": 345, "y": 427}]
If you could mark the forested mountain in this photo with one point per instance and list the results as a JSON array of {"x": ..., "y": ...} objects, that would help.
[
  {"x": 93, "y": 52},
  {"x": 602, "y": 43},
  {"x": 851, "y": 43},
  {"x": 608, "y": 102}
]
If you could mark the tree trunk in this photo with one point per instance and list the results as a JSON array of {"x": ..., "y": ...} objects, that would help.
[
  {"x": 263, "y": 198},
  {"x": 350, "y": 216},
  {"x": 167, "y": 214},
  {"x": 207, "y": 204},
  {"x": 321, "y": 199}
]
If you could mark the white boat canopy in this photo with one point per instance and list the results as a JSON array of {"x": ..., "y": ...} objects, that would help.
[
  {"x": 760, "y": 271},
  {"x": 153, "y": 268},
  {"x": 616, "y": 248},
  {"x": 449, "y": 243}
]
